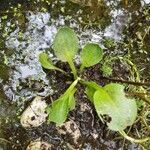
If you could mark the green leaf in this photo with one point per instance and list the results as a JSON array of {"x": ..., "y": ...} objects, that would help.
[
  {"x": 71, "y": 87},
  {"x": 59, "y": 110},
  {"x": 91, "y": 84},
  {"x": 111, "y": 101},
  {"x": 90, "y": 93},
  {"x": 65, "y": 44},
  {"x": 72, "y": 102},
  {"x": 91, "y": 88},
  {"x": 45, "y": 61},
  {"x": 91, "y": 55}
]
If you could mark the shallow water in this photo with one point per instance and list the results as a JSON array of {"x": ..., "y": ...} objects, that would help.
[{"x": 28, "y": 28}]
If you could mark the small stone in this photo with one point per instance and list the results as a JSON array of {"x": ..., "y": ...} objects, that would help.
[
  {"x": 70, "y": 128},
  {"x": 39, "y": 145},
  {"x": 34, "y": 115}
]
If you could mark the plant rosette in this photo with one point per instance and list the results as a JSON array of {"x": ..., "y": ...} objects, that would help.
[{"x": 109, "y": 100}]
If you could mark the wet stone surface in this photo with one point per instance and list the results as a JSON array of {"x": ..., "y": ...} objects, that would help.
[{"x": 28, "y": 28}]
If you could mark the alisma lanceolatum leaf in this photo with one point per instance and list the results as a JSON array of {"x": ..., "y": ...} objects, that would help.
[
  {"x": 59, "y": 109},
  {"x": 110, "y": 100},
  {"x": 45, "y": 61},
  {"x": 65, "y": 44},
  {"x": 91, "y": 55},
  {"x": 125, "y": 108}
]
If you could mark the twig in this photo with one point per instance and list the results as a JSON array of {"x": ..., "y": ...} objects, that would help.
[
  {"x": 140, "y": 95},
  {"x": 2, "y": 139},
  {"x": 128, "y": 82},
  {"x": 132, "y": 139}
]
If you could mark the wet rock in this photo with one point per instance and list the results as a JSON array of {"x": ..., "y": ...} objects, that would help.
[
  {"x": 71, "y": 130},
  {"x": 38, "y": 145},
  {"x": 35, "y": 114}
]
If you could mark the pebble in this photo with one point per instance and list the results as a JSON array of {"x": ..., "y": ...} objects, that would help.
[
  {"x": 38, "y": 145},
  {"x": 71, "y": 129},
  {"x": 34, "y": 115}
]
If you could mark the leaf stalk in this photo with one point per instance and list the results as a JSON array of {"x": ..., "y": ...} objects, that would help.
[
  {"x": 132, "y": 139},
  {"x": 72, "y": 66}
]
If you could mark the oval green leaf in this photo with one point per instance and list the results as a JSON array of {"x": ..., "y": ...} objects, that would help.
[
  {"x": 91, "y": 55},
  {"x": 60, "y": 108},
  {"x": 65, "y": 44},
  {"x": 111, "y": 101},
  {"x": 45, "y": 61},
  {"x": 58, "y": 111}
]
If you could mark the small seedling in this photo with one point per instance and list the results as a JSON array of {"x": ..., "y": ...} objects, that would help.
[{"x": 109, "y": 100}]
